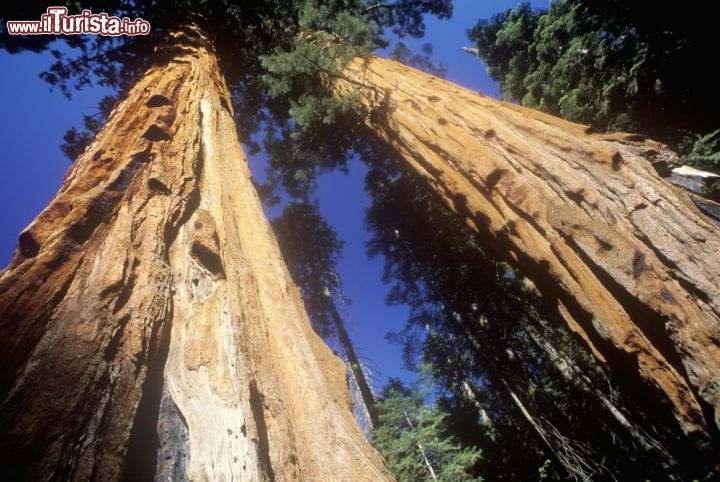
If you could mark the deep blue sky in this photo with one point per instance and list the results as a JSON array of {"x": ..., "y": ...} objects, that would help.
[{"x": 34, "y": 120}]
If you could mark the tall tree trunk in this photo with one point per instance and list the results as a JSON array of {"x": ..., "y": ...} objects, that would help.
[
  {"x": 624, "y": 257},
  {"x": 147, "y": 313}
]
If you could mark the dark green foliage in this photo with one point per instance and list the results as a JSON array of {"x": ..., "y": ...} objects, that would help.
[
  {"x": 403, "y": 53},
  {"x": 324, "y": 41},
  {"x": 616, "y": 65},
  {"x": 311, "y": 129},
  {"x": 503, "y": 44},
  {"x": 413, "y": 437},
  {"x": 704, "y": 151},
  {"x": 314, "y": 130},
  {"x": 405, "y": 17}
]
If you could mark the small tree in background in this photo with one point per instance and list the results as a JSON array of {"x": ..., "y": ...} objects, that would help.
[{"x": 413, "y": 438}]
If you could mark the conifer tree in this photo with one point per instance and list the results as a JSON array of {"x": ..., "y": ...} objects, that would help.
[
  {"x": 606, "y": 64},
  {"x": 413, "y": 438}
]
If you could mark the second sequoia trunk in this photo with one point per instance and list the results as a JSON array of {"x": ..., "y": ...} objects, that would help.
[
  {"x": 148, "y": 324},
  {"x": 624, "y": 258}
]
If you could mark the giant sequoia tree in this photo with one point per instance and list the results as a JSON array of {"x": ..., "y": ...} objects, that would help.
[
  {"x": 620, "y": 254},
  {"x": 149, "y": 293}
]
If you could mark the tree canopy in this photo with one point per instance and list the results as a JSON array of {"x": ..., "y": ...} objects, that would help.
[{"x": 634, "y": 66}]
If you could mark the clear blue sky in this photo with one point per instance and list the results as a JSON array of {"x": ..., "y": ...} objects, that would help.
[{"x": 34, "y": 121}]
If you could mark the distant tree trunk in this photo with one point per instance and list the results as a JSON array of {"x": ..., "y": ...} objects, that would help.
[
  {"x": 356, "y": 371},
  {"x": 422, "y": 451},
  {"x": 148, "y": 325},
  {"x": 566, "y": 451},
  {"x": 624, "y": 257}
]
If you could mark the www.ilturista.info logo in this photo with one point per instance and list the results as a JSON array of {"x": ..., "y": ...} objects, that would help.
[{"x": 57, "y": 22}]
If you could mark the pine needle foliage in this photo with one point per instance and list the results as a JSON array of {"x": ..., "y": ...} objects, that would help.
[
  {"x": 415, "y": 442},
  {"x": 616, "y": 65}
]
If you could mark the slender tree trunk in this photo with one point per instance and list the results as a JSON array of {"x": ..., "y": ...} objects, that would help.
[
  {"x": 366, "y": 395},
  {"x": 624, "y": 257},
  {"x": 422, "y": 451},
  {"x": 564, "y": 450},
  {"x": 148, "y": 323}
]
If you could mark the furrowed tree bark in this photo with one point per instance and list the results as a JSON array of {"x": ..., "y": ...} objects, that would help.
[
  {"x": 149, "y": 327},
  {"x": 625, "y": 258}
]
